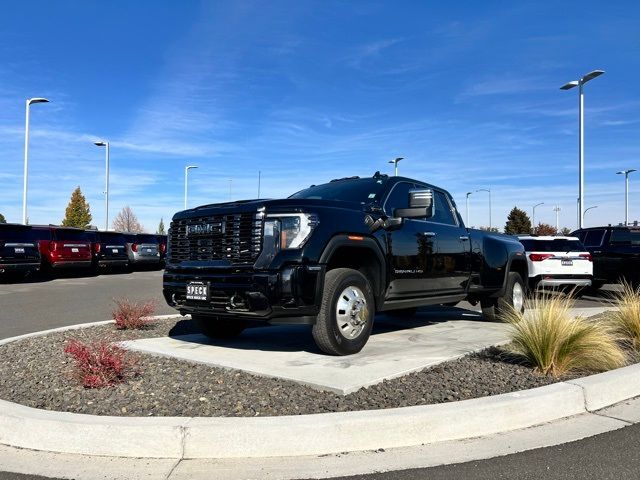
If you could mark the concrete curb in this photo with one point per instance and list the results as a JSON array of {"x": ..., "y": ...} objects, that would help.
[{"x": 200, "y": 438}]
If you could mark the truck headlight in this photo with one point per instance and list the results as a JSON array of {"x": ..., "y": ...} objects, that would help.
[{"x": 288, "y": 230}]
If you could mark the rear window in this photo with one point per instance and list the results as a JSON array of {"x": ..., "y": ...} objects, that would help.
[
  {"x": 16, "y": 234},
  {"x": 76, "y": 235},
  {"x": 115, "y": 238},
  {"x": 146, "y": 239},
  {"x": 621, "y": 236},
  {"x": 559, "y": 245},
  {"x": 593, "y": 238}
]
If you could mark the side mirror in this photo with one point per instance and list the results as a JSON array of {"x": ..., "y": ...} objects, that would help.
[{"x": 420, "y": 204}]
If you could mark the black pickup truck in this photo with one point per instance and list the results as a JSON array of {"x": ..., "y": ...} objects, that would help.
[
  {"x": 615, "y": 251},
  {"x": 332, "y": 256}
]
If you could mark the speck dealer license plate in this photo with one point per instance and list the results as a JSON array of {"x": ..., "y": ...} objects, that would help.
[{"x": 198, "y": 291}]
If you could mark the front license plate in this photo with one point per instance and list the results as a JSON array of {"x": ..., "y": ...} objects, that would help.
[
  {"x": 567, "y": 263},
  {"x": 198, "y": 291},
  {"x": 19, "y": 250},
  {"x": 74, "y": 250}
]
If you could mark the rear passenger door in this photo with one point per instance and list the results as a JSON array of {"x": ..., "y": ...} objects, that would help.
[{"x": 450, "y": 267}]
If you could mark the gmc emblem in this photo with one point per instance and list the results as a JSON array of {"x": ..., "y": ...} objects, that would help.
[{"x": 205, "y": 229}]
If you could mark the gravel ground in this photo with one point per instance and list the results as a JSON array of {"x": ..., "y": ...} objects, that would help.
[{"x": 36, "y": 372}]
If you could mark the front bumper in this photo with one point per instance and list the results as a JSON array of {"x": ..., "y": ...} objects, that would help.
[
  {"x": 562, "y": 280},
  {"x": 287, "y": 296},
  {"x": 19, "y": 267}
]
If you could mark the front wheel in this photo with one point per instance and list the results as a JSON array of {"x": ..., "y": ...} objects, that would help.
[
  {"x": 346, "y": 314},
  {"x": 219, "y": 328},
  {"x": 513, "y": 299}
]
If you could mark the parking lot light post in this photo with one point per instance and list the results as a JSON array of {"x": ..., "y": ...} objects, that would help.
[
  {"x": 488, "y": 190},
  {"x": 567, "y": 86},
  {"x": 395, "y": 163},
  {"x": 186, "y": 182},
  {"x": 626, "y": 193},
  {"x": 26, "y": 155},
  {"x": 533, "y": 216},
  {"x": 467, "y": 221},
  {"x": 557, "y": 210},
  {"x": 590, "y": 208},
  {"x": 106, "y": 184}
]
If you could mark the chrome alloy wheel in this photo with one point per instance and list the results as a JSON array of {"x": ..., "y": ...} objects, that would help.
[
  {"x": 352, "y": 312},
  {"x": 518, "y": 297}
]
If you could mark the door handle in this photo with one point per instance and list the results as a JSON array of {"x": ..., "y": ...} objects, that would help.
[
  {"x": 429, "y": 234},
  {"x": 464, "y": 238}
]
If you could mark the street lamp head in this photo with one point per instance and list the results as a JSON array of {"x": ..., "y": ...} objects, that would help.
[
  {"x": 190, "y": 166},
  {"x": 570, "y": 85},
  {"x": 592, "y": 75},
  {"x": 37, "y": 100},
  {"x": 626, "y": 172},
  {"x": 100, "y": 144},
  {"x": 396, "y": 160},
  {"x": 469, "y": 193}
]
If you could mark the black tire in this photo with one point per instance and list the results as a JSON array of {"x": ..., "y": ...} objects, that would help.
[
  {"x": 219, "y": 328},
  {"x": 402, "y": 312},
  {"x": 328, "y": 335},
  {"x": 494, "y": 308}
]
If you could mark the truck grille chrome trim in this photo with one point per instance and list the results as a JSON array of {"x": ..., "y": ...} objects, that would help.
[{"x": 234, "y": 237}]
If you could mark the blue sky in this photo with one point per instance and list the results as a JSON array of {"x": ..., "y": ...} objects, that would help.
[{"x": 306, "y": 91}]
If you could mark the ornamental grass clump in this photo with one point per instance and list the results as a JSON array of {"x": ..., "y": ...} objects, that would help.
[
  {"x": 99, "y": 363},
  {"x": 626, "y": 317},
  {"x": 556, "y": 343},
  {"x": 131, "y": 315}
]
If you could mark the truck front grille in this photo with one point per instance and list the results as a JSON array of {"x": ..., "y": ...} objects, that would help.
[{"x": 234, "y": 237}]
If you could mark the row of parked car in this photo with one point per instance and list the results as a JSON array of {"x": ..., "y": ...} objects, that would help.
[
  {"x": 590, "y": 257},
  {"x": 25, "y": 249}
]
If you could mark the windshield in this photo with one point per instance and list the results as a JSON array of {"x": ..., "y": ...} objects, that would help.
[
  {"x": 147, "y": 239},
  {"x": 559, "y": 245},
  {"x": 75, "y": 235},
  {"x": 360, "y": 190}
]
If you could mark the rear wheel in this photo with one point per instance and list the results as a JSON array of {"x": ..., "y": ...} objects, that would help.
[
  {"x": 346, "y": 314},
  {"x": 513, "y": 298},
  {"x": 214, "y": 327}
]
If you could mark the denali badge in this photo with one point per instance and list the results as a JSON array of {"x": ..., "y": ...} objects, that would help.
[{"x": 205, "y": 229}]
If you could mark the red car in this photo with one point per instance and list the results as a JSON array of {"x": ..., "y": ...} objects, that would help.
[{"x": 63, "y": 247}]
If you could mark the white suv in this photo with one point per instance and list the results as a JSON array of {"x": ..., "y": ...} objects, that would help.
[{"x": 557, "y": 262}]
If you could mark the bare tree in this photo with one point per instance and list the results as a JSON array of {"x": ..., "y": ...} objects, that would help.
[{"x": 126, "y": 221}]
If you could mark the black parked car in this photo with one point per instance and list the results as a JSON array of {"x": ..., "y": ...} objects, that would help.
[
  {"x": 615, "y": 252},
  {"x": 19, "y": 253},
  {"x": 108, "y": 249}
]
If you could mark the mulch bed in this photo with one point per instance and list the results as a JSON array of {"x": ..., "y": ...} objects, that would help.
[{"x": 35, "y": 372}]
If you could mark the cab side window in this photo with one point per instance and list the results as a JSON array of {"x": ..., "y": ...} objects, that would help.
[
  {"x": 593, "y": 238},
  {"x": 442, "y": 209},
  {"x": 398, "y": 198}
]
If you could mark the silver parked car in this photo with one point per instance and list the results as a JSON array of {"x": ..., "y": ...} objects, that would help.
[{"x": 142, "y": 249}]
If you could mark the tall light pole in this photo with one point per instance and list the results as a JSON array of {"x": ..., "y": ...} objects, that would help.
[
  {"x": 488, "y": 190},
  {"x": 395, "y": 163},
  {"x": 533, "y": 216},
  {"x": 557, "y": 210},
  {"x": 106, "y": 184},
  {"x": 626, "y": 193},
  {"x": 567, "y": 86},
  {"x": 590, "y": 208},
  {"x": 467, "y": 222},
  {"x": 259, "y": 179},
  {"x": 26, "y": 156},
  {"x": 230, "y": 183},
  {"x": 186, "y": 182}
]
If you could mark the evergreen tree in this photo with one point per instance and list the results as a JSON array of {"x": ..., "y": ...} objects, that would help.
[
  {"x": 77, "y": 213},
  {"x": 566, "y": 231},
  {"x": 518, "y": 222},
  {"x": 161, "y": 230},
  {"x": 126, "y": 221},
  {"x": 2, "y": 219}
]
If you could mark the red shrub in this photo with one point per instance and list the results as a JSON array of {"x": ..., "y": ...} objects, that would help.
[
  {"x": 131, "y": 315},
  {"x": 100, "y": 363}
]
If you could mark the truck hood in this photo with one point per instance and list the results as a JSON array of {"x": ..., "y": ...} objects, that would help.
[{"x": 270, "y": 206}]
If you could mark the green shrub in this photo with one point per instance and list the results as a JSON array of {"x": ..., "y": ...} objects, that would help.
[{"x": 626, "y": 317}]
